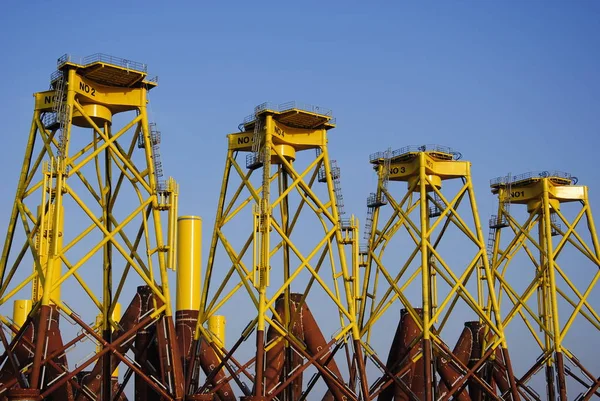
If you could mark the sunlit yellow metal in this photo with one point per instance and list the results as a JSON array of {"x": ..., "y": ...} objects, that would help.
[
  {"x": 189, "y": 248},
  {"x": 21, "y": 309},
  {"x": 266, "y": 256},
  {"x": 106, "y": 184},
  {"x": 425, "y": 212},
  {"x": 43, "y": 246},
  {"x": 217, "y": 326},
  {"x": 543, "y": 237}
]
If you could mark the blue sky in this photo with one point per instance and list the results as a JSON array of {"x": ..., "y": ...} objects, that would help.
[{"x": 512, "y": 85}]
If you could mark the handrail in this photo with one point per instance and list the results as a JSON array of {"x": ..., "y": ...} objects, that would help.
[
  {"x": 283, "y": 107},
  {"x": 508, "y": 179},
  {"x": 415, "y": 149},
  {"x": 102, "y": 58}
]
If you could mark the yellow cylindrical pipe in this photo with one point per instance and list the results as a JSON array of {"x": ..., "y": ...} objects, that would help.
[
  {"x": 216, "y": 325},
  {"x": 43, "y": 247},
  {"x": 189, "y": 252},
  {"x": 21, "y": 309}
]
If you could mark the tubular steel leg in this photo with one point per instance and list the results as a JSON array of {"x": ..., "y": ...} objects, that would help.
[
  {"x": 560, "y": 370},
  {"x": 511, "y": 376},
  {"x": 462, "y": 351},
  {"x": 550, "y": 383},
  {"x": 427, "y": 373},
  {"x": 106, "y": 370},
  {"x": 40, "y": 336},
  {"x": 361, "y": 368},
  {"x": 260, "y": 365}
]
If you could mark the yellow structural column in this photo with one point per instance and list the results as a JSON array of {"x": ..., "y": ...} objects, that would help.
[
  {"x": 550, "y": 269},
  {"x": 265, "y": 253},
  {"x": 21, "y": 309},
  {"x": 425, "y": 274},
  {"x": 45, "y": 235},
  {"x": 189, "y": 257},
  {"x": 217, "y": 325}
]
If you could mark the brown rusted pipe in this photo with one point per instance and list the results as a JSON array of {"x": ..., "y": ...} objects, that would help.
[
  {"x": 128, "y": 320},
  {"x": 462, "y": 352},
  {"x": 315, "y": 342},
  {"x": 560, "y": 368},
  {"x": 311, "y": 359},
  {"x": 361, "y": 369},
  {"x": 185, "y": 327},
  {"x": 477, "y": 332},
  {"x": 209, "y": 361},
  {"x": 20, "y": 347},
  {"x": 393, "y": 360},
  {"x": 511, "y": 376},
  {"x": 124, "y": 338},
  {"x": 470, "y": 373},
  {"x": 409, "y": 347},
  {"x": 275, "y": 358},
  {"x": 47, "y": 327},
  {"x": 427, "y": 394},
  {"x": 146, "y": 354},
  {"x": 55, "y": 342},
  {"x": 9, "y": 383},
  {"x": 499, "y": 375},
  {"x": 38, "y": 353},
  {"x": 394, "y": 379},
  {"x": 259, "y": 389},
  {"x": 278, "y": 355},
  {"x": 168, "y": 351}
]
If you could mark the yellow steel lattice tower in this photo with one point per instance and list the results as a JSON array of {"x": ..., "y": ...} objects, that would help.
[
  {"x": 278, "y": 247},
  {"x": 547, "y": 266},
  {"x": 87, "y": 216},
  {"x": 428, "y": 254}
]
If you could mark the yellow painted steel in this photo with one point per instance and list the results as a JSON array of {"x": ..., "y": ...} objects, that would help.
[
  {"x": 106, "y": 181},
  {"x": 425, "y": 212},
  {"x": 189, "y": 251},
  {"x": 271, "y": 198},
  {"x": 21, "y": 309},
  {"x": 543, "y": 236},
  {"x": 217, "y": 325},
  {"x": 43, "y": 240}
]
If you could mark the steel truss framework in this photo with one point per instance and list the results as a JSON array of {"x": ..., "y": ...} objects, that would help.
[
  {"x": 420, "y": 365},
  {"x": 547, "y": 233},
  {"x": 116, "y": 236},
  {"x": 264, "y": 267}
]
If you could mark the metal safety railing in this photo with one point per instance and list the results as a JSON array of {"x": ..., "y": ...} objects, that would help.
[
  {"x": 531, "y": 175},
  {"x": 102, "y": 58},
  {"x": 415, "y": 149},
  {"x": 293, "y": 105}
]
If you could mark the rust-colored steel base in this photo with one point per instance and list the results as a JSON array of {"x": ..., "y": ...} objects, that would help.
[
  {"x": 449, "y": 365},
  {"x": 46, "y": 324},
  {"x": 23, "y": 394},
  {"x": 403, "y": 349},
  {"x": 302, "y": 326},
  {"x": 200, "y": 397},
  {"x": 185, "y": 327},
  {"x": 146, "y": 354},
  {"x": 209, "y": 360}
]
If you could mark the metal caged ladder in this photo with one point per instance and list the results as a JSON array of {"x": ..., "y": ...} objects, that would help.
[{"x": 61, "y": 111}]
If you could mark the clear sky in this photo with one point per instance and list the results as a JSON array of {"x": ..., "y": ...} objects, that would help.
[{"x": 512, "y": 85}]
